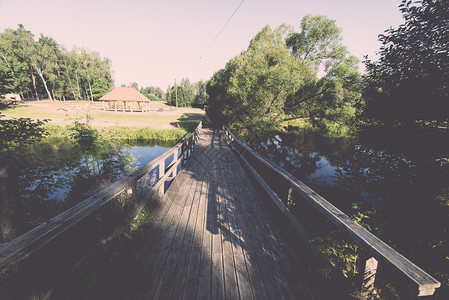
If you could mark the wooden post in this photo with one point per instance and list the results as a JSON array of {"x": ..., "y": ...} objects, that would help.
[
  {"x": 161, "y": 174},
  {"x": 369, "y": 276},
  {"x": 132, "y": 189},
  {"x": 104, "y": 108},
  {"x": 290, "y": 201},
  {"x": 115, "y": 106}
]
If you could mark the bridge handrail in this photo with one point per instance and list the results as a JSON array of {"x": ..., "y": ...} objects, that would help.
[
  {"x": 26, "y": 244},
  {"x": 425, "y": 283}
]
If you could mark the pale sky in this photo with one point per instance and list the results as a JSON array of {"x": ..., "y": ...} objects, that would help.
[{"x": 155, "y": 42}]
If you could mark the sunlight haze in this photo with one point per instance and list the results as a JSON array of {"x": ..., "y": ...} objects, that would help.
[{"x": 156, "y": 42}]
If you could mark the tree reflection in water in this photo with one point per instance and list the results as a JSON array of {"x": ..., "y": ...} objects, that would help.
[
  {"x": 54, "y": 175},
  {"x": 391, "y": 176}
]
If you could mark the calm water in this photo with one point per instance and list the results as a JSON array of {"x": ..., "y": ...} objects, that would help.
[
  {"x": 56, "y": 175},
  {"x": 395, "y": 177}
]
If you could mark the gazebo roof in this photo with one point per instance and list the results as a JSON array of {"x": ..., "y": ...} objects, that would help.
[{"x": 125, "y": 94}]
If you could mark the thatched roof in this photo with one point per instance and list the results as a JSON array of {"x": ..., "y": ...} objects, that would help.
[{"x": 125, "y": 94}]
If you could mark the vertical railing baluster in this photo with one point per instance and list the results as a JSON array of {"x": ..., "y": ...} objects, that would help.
[
  {"x": 290, "y": 196},
  {"x": 161, "y": 174},
  {"x": 369, "y": 277}
]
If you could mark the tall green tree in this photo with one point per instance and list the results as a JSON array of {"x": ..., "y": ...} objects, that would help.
[
  {"x": 201, "y": 95},
  {"x": 45, "y": 68},
  {"x": 251, "y": 91},
  {"x": 183, "y": 93},
  {"x": 318, "y": 44},
  {"x": 16, "y": 47},
  {"x": 100, "y": 88},
  {"x": 334, "y": 96},
  {"x": 278, "y": 78},
  {"x": 43, "y": 60},
  {"x": 409, "y": 82}
]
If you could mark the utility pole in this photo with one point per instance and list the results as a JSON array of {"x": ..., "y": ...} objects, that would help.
[{"x": 176, "y": 93}]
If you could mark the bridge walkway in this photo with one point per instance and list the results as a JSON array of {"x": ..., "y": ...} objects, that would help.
[{"x": 212, "y": 236}]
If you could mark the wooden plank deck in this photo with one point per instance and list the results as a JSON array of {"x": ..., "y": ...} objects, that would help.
[{"x": 212, "y": 238}]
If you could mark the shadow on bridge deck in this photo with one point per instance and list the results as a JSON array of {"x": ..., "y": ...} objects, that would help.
[{"x": 212, "y": 237}]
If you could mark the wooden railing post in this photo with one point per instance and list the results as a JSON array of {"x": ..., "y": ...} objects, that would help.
[
  {"x": 290, "y": 196},
  {"x": 369, "y": 276},
  {"x": 161, "y": 174}
]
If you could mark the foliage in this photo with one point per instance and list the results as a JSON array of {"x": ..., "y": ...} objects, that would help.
[
  {"x": 201, "y": 96},
  {"x": 16, "y": 133},
  {"x": 276, "y": 79},
  {"x": 255, "y": 84},
  {"x": 410, "y": 80},
  {"x": 181, "y": 95},
  {"x": 85, "y": 136},
  {"x": 124, "y": 199},
  {"x": 100, "y": 88},
  {"x": 318, "y": 43},
  {"x": 34, "y": 68},
  {"x": 153, "y": 93},
  {"x": 142, "y": 134}
]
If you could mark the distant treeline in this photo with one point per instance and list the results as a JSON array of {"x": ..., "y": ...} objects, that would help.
[
  {"x": 43, "y": 68},
  {"x": 187, "y": 94},
  {"x": 184, "y": 94}
]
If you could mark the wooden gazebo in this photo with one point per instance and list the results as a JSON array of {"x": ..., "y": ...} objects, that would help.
[{"x": 125, "y": 99}]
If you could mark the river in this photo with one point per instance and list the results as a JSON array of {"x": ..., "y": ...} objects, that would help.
[
  {"x": 55, "y": 175},
  {"x": 392, "y": 180}
]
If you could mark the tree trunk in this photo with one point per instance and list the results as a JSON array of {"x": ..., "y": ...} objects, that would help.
[
  {"x": 7, "y": 63},
  {"x": 41, "y": 75},
  {"x": 90, "y": 89},
  {"x": 85, "y": 90},
  {"x": 78, "y": 86},
  {"x": 34, "y": 81}
]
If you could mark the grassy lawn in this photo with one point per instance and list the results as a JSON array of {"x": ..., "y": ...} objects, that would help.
[{"x": 65, "y": 113}]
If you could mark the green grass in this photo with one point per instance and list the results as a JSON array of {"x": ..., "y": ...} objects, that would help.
[
  {"x": 120, "y": 133},
  {"x": 142, "y": 134},
  {"x": 169, "y": 125},
  {"x": 65, "y": 113},
  {"x": 331, "y": 129}
]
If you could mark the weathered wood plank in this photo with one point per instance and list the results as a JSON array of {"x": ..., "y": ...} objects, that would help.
[
  {"x": 218, "y": 244},
  {"x": 184, "y": 259},
  {"x": 230, "y": 280},
  {"x": 192, "y": 280},
  {"x": 155, "y": 264},
  {"x": 205, "y": 271},
  {"x": 176, "y": 252},
  {"x": 243, "y": 278}
]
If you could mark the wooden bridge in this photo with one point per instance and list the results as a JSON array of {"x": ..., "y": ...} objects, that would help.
[{"x": 216, "y": 233}]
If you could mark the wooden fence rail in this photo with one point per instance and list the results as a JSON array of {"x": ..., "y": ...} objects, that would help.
[
  {"x": 376, "y": 249},
  {"x": 167, "y": 166}
]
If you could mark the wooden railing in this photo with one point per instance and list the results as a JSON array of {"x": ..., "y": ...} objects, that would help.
[
  {"x": 375, "y": 249},
  {"x": 138, "y": 184}
]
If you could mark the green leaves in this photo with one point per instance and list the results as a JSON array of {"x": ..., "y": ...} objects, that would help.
[
  {"x": 254, "y": 85},
  {"x": 276, "y": 79},
  {"x": 85, "y": 136},
  {"x": 410, "y": 80},
  {"x": 318, "y": 43},
  {"x": 15, "y": 133},
  {"x": 99, "y": 89},
  {"x": 43, "y": 67}
]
